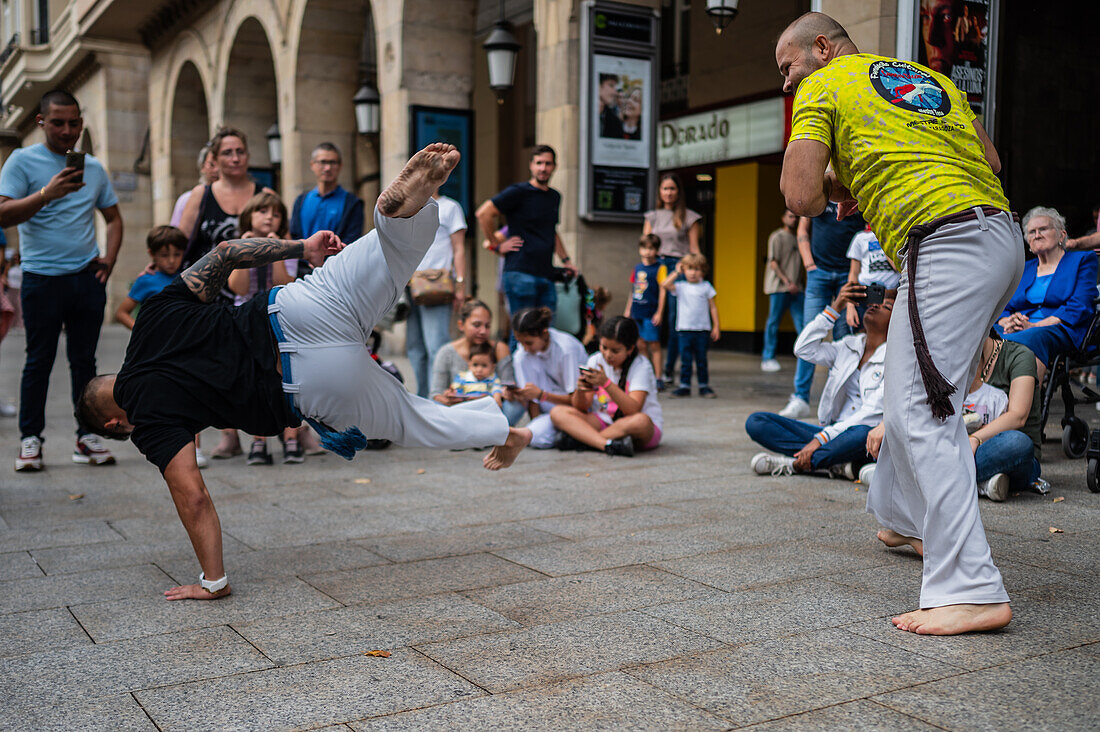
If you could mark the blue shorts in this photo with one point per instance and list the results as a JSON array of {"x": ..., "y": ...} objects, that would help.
[{"x": 647, "y": 331}]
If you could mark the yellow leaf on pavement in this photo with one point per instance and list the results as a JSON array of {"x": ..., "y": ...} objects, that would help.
[
  {"x": 1059, "y": 498},
  {"x": 75, "y": 496},
  {"x": 362, "y": 481},
  {"x": 378, "y": 654},
  {"x": 420, "y": 471},
  {"x": 1056, "y": 531}
]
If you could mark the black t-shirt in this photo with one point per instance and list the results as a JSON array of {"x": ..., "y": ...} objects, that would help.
[
  {"x": 192, "y": 365},
  {"x": 829, "y": 238},
  {"x": 532, "y": 215}
]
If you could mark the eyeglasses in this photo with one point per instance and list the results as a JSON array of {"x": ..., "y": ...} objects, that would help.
[
  {"x": 1032, "y": 233},
  {"x": 326, "y": 163}
]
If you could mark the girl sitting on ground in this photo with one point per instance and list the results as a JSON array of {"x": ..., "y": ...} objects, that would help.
[
  {"x": 615, "y": 407},
  {"x": 547, "y": 363}
]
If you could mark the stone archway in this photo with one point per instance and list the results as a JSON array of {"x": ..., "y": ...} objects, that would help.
[
  {"x": 189, "y": 128},
  {"x": 335, "y": 54},
  {"x": 251, "y": 94}
]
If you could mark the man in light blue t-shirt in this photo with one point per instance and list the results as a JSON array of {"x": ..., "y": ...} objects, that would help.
[{"x": 64, "y": 276}]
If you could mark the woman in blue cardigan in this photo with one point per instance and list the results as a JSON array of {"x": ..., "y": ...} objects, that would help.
[{"x": 1051, "y": 309}]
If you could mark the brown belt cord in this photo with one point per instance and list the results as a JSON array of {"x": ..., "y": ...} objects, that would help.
[{"x": 938, "y": 388}]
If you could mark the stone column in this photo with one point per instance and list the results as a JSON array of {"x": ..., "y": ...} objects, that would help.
[{"x": 872, "y": 24}]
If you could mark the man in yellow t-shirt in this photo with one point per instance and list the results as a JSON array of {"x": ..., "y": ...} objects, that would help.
[{"x": 907, "y": 151}]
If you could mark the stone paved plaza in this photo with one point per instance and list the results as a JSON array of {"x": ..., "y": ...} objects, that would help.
[{"x": 675, "y": 590}]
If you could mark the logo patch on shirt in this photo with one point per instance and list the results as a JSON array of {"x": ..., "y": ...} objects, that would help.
[{"x": 909, "y": 87}]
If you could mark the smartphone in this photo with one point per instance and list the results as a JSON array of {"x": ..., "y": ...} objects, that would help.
[
  {"x": 509, "y": 386},
  {"x": 876, "y": 294},
  {"x": 75, "y": 160}
]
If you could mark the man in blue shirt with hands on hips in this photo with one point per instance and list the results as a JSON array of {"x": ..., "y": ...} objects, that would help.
[{"x": 64, "y": 276}]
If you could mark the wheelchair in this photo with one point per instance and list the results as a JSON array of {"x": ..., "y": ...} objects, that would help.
[{"x": 1077, "y": 439}]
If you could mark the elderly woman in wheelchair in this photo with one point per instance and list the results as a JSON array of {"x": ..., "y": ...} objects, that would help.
[{"x": 1053, "y": 305}]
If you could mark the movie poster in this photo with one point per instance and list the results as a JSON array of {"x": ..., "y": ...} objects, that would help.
[
  {"x": 622, "y": 123},
  {"x": 954, "y": 39}
]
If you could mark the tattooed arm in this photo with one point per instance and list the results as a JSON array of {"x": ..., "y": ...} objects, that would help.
[{"x": 208, "y": 276}]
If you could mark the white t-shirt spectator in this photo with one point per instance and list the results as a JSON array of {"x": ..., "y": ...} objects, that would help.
[
  {"x": 554, "y": 370},
  {"x": 639, "y": 378},
  {"x": 693, "y": 305},
  {"x": 983, "y": 405},
  {"x": 874, "y": 265},
  {"x": 452, "y": 219}
]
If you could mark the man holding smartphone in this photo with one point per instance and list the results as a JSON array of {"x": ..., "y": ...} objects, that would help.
[{"x": 53, "y": 202}]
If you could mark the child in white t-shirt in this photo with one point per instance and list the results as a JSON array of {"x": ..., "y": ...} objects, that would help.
[
  {"x": 696, "y": 321},
  {"x": 614, "y": 407},
  {"x": 869, "y": 266}
]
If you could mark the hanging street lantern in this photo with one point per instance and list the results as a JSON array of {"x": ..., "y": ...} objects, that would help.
[
  {"x": 501, "y": 47},
  {"x": 367, "y": 105},
  {"x": 722, "y": 13},
  {"x": 274, "y": 144}
]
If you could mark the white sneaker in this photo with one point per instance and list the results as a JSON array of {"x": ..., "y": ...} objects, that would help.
[
  {"x": 770, "y": 366},
  {"x": 867, "y": 474},
  {"x": 30, "y": 455},
  {"x": 200, "y": 459},
  {"x": 844, "y": 470},
  {"x": 996, "y": 488},
  {"x": 90, "y": 450},
  {"x": 764, "y": 464},
  {"x": 796, "y": 408}
]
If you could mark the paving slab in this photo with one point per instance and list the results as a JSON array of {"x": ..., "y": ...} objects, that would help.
[
  {"x": 615, "y": 521},
  {"x": 323, "y": 693},
  {"x": 576, "y": 596},
  {"x": 109, "y": 555},
  {"x": 775, "y": 678},
  {"x": 427, "y": 577},
  {"x": 612, "y": 701},
  {"x": 37, "y": 630},
  {"x": 455, "y": 542},
  {"x": 109, "y": 713},
  {"x": 151, "y": 614},
  {"x": 86, "y": 672},
  {"x": 69, "y": 589},
  {"x": 546, "y": 653},
  {"x": 299, "y": 561},
  {"x": 856, "y": 715},
  {"x": 383, "y": 626},
  {"x": 18, "y": 565},
  {"x": 1059, "y": 691},
  {"x": 776, "y": 611},
  {"x": 71, "y": 533}
]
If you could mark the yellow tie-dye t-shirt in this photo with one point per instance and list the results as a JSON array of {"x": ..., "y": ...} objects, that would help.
[{"x": 901, "y": 139}]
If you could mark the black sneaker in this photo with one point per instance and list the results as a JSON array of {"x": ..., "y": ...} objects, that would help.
[
  {"x": 707, "y": 393},
  {"x": 292, "y": 452},
  {"x": 683, "y": 391},
  {"x": 566, "y": 443},
  {"x": 258, "y": 454},
  {"x": 623, "y": 446}
]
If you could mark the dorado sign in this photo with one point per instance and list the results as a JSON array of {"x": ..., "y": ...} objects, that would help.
[{"x": 743, "y": 131}]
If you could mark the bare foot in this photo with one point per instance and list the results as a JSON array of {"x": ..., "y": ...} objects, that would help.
[
  {"x": 955, "y": 619},
  {"x": 504, "y": 455},
  {"x": 418, "y": 180},
  {"x": 195, "y": 592},
  {"x": 891, "y": 538}
]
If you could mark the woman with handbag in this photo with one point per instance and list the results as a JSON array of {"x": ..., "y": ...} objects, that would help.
[{"x": 435, "y": 290}]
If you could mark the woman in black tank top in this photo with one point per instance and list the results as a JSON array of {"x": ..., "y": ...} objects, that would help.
[{"x": 212, "y": 227}]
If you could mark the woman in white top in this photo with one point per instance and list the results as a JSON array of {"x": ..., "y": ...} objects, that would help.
[
  {"x": 615, "y": 407},
  {"x": 429, "y": 326},
  {"x": 547, "y": 363}
]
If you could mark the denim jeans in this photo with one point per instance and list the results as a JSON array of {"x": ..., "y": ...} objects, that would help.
[
  {"x": 693, "y": 347},
  {"x": 527, "y": 291},
  {"x": 821, "y": 288},
  {"x": 788, "y": 436},
  {"x": 1010, "y": 452},
  {"x": 779, "y": 303},
  {"x": 672, "y": 348},
  {"x": 429, "y": 329},
  {"x": 75, "y": 302}
]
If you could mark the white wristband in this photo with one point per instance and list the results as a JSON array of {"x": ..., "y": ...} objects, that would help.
[{"x": 215, "y": 586}]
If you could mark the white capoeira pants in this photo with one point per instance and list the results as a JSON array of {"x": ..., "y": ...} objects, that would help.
[
  {"x": 924, "y": 484},
  {"x": 327, "y": 317}
]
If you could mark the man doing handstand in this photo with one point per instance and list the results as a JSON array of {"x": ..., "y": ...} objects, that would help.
[{"x": 296, "y": 352}]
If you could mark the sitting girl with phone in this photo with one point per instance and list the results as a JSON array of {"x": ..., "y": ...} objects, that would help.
[
  {"x": 871, "y": 267},
  {"x": 615, "y": 407}
]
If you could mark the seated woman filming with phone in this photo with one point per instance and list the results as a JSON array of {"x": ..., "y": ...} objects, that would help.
[
  {"x": 851, "y": 403},
  {"x": 615, "y": 407}
]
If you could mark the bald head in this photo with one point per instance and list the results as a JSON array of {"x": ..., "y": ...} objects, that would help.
[{"x": 807, "y": 44}]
